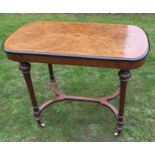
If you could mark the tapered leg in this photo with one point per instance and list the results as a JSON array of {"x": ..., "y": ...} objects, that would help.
[
  {"x": 51, "y": 73},
  {"x": 124, "y": 75},
  {"x": 25, "y": 69}
]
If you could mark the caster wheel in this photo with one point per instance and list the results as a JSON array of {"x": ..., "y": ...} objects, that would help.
[
  {"x": 42, "y": 125},
  {"x": 116, "y": 134}
]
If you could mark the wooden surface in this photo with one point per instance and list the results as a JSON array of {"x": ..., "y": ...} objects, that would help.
[{"x": 86, "y": 40}]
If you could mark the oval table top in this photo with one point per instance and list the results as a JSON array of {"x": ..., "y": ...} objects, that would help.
[{"x": 86, "y": 40}]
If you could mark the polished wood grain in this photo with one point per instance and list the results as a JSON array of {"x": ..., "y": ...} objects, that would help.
[{"x": 86, "y": 40}]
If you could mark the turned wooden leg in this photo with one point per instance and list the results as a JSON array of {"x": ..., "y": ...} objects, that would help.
[
  {"x": 51, "y": 73},
  {"x": 124, "y": 75},
  {"x": 25, "y": 69}
]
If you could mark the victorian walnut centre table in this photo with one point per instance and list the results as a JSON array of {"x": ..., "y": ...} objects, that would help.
[{"x": 118, "y": 46}]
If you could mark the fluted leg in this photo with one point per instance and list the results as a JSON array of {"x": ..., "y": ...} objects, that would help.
[
  {"x": 124, "y": 75},
  {"x": 25, "y": 69}
]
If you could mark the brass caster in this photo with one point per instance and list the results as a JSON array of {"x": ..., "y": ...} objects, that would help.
[
  {"x": 42, "y": 125},
  {"x": 116, "y": 134}
]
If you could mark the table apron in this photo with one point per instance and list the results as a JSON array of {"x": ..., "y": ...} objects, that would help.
[{"x": 77, "y": 61}]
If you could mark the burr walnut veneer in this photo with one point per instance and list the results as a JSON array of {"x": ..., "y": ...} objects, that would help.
[{"x": 87, "y": 44}]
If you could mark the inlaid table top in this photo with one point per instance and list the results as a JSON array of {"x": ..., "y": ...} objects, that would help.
[{"x": 79, "y": 40}]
